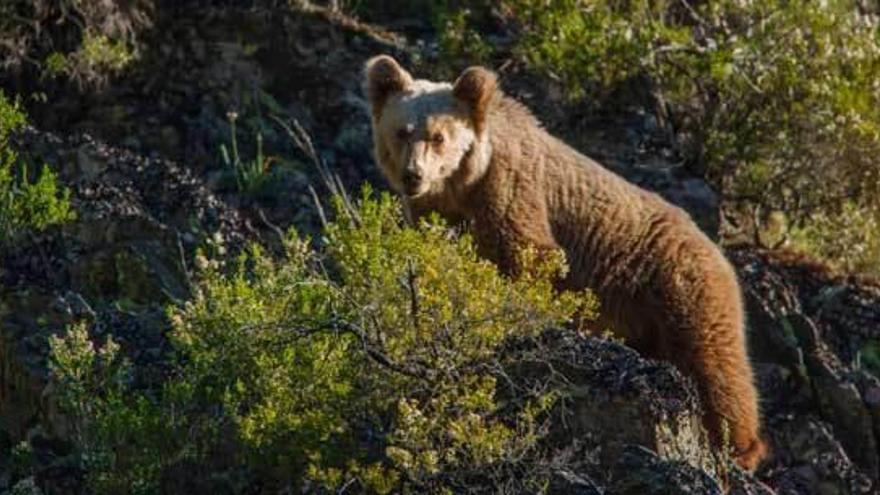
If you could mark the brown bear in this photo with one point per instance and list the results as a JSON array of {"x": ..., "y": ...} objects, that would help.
[{"x": 474, "y": 155}]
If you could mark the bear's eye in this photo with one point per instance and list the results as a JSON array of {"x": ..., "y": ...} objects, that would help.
[
  {"x": 403, "y": 133},
  {"x": 437, "y": 138}
]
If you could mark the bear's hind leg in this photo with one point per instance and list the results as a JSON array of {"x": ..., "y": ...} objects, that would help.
[{"x": 724, "y": 378}]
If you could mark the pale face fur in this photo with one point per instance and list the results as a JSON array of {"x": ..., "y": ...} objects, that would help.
[
  {"x": 428, "y": 135},
  {"x": 422, "y": 136}
]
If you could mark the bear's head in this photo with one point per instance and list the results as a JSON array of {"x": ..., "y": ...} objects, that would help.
[{"x": 427, "y": 132}]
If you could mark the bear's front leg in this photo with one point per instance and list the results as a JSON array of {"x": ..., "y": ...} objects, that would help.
[{"x": 503, "y": 241}]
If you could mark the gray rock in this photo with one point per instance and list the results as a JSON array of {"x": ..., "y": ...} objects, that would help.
[
  {"x": 616, "y": 398},
  {"x": 568, "y": 483},
  {"x": 642, "y": 472},
  {"x": 743, "y": 483},
  {"x": 842, "y": 405},
  {"x": 796, "y": 322},
  {"x": 809, "y": 459}
]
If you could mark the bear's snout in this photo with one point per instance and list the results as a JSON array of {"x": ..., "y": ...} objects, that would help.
[{"x": 412, "y": 180}]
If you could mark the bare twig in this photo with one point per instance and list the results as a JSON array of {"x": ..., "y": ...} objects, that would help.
[
  {"x": 331, "y": 181},
  {"x": 318, "y": 205},
  {"x": 183, "y": 264},
  {"x": 272, "y": 226},
  {"x": 335, "y": 17},
  {"x": 693, "y": 13},
  {"x": 412, "y": 285}
]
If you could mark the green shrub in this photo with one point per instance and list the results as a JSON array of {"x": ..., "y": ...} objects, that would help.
[
  {"x": 119, "y": 438},
  {"x": 588, "y": 46},
  {"x": 458, "y": 40},
  {"x": 376, "y": 362},
  {"x": 781, "y": 105},
  {"x": 97, "y": 58},
  {"x": 25, "y": 205},
  {"x": 851, "y": 238},
  {"x": 12, "y": 119}
]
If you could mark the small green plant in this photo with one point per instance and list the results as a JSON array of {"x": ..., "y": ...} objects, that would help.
[
  {"x": 30, "y": 205},
  {"x": 250, "y": 175},
  {"x": 12, "y": 118},
  {"x": 869, "y": 357},
  {"x": 97, "y": 58},
  {"x": 22, "y": 459},
  {"x": 375, "y": 363},
  {"x": 588, "y": 46},
  {"x": 25, "y": 205},
  {"x": 87, "y": 377}
]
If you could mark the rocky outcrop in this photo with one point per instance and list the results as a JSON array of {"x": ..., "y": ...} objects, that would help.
[
  {"x": 616, "y": 398},
  {"x": 625, "y": 424},
  {"x": 806, "y": 327},
  {"x": 640, "y": 471}
]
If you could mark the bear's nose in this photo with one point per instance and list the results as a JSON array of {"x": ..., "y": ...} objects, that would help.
[{"x": 411, "y": 178}]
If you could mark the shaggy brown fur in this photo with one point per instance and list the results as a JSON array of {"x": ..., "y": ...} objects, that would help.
[{"x": 473, "y": 154}]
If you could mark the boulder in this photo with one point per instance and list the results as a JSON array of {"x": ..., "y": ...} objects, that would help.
[
  {"x": 642, "y": 472},
  {"x": 617, "y": 398}
]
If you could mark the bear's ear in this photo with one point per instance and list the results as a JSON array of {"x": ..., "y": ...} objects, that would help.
[
  {"x": 384, "y": 77},
  {"x": 476, "y": 87}
]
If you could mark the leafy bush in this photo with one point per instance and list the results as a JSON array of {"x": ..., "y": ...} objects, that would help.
[
  {"x": 783, "y": 106},
  {"x": 458, "y": 40},
  {"x": 12, "y": 119},
  {"x": 776, "y": 103},
  {"x": 850, "y": 238},
  {"x": 378, "y": 362},
  {"x": 93, "y": 61},
  {"x": 588, "y": 46},
  {"x": 92, "y": 389},
  {"x": 24, "y": 204}
]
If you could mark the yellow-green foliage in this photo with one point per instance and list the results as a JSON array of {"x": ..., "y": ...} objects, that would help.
[
  {"x": 97, "y": 58},
  {"x": 851, "y": 238},
  {"x": 458, "y": 40},
  {"x": 24, "y": 204},
  {"x": 120, "y": 438},
  {"x": 588, "y": 46},
  {"x": 11, "y": 119},
  {"x": 373, "y": 363},
  {"x": 788, "y": 101}
]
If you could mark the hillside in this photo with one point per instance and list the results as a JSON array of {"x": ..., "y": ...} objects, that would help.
[{"x": 157, "y": 204}]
